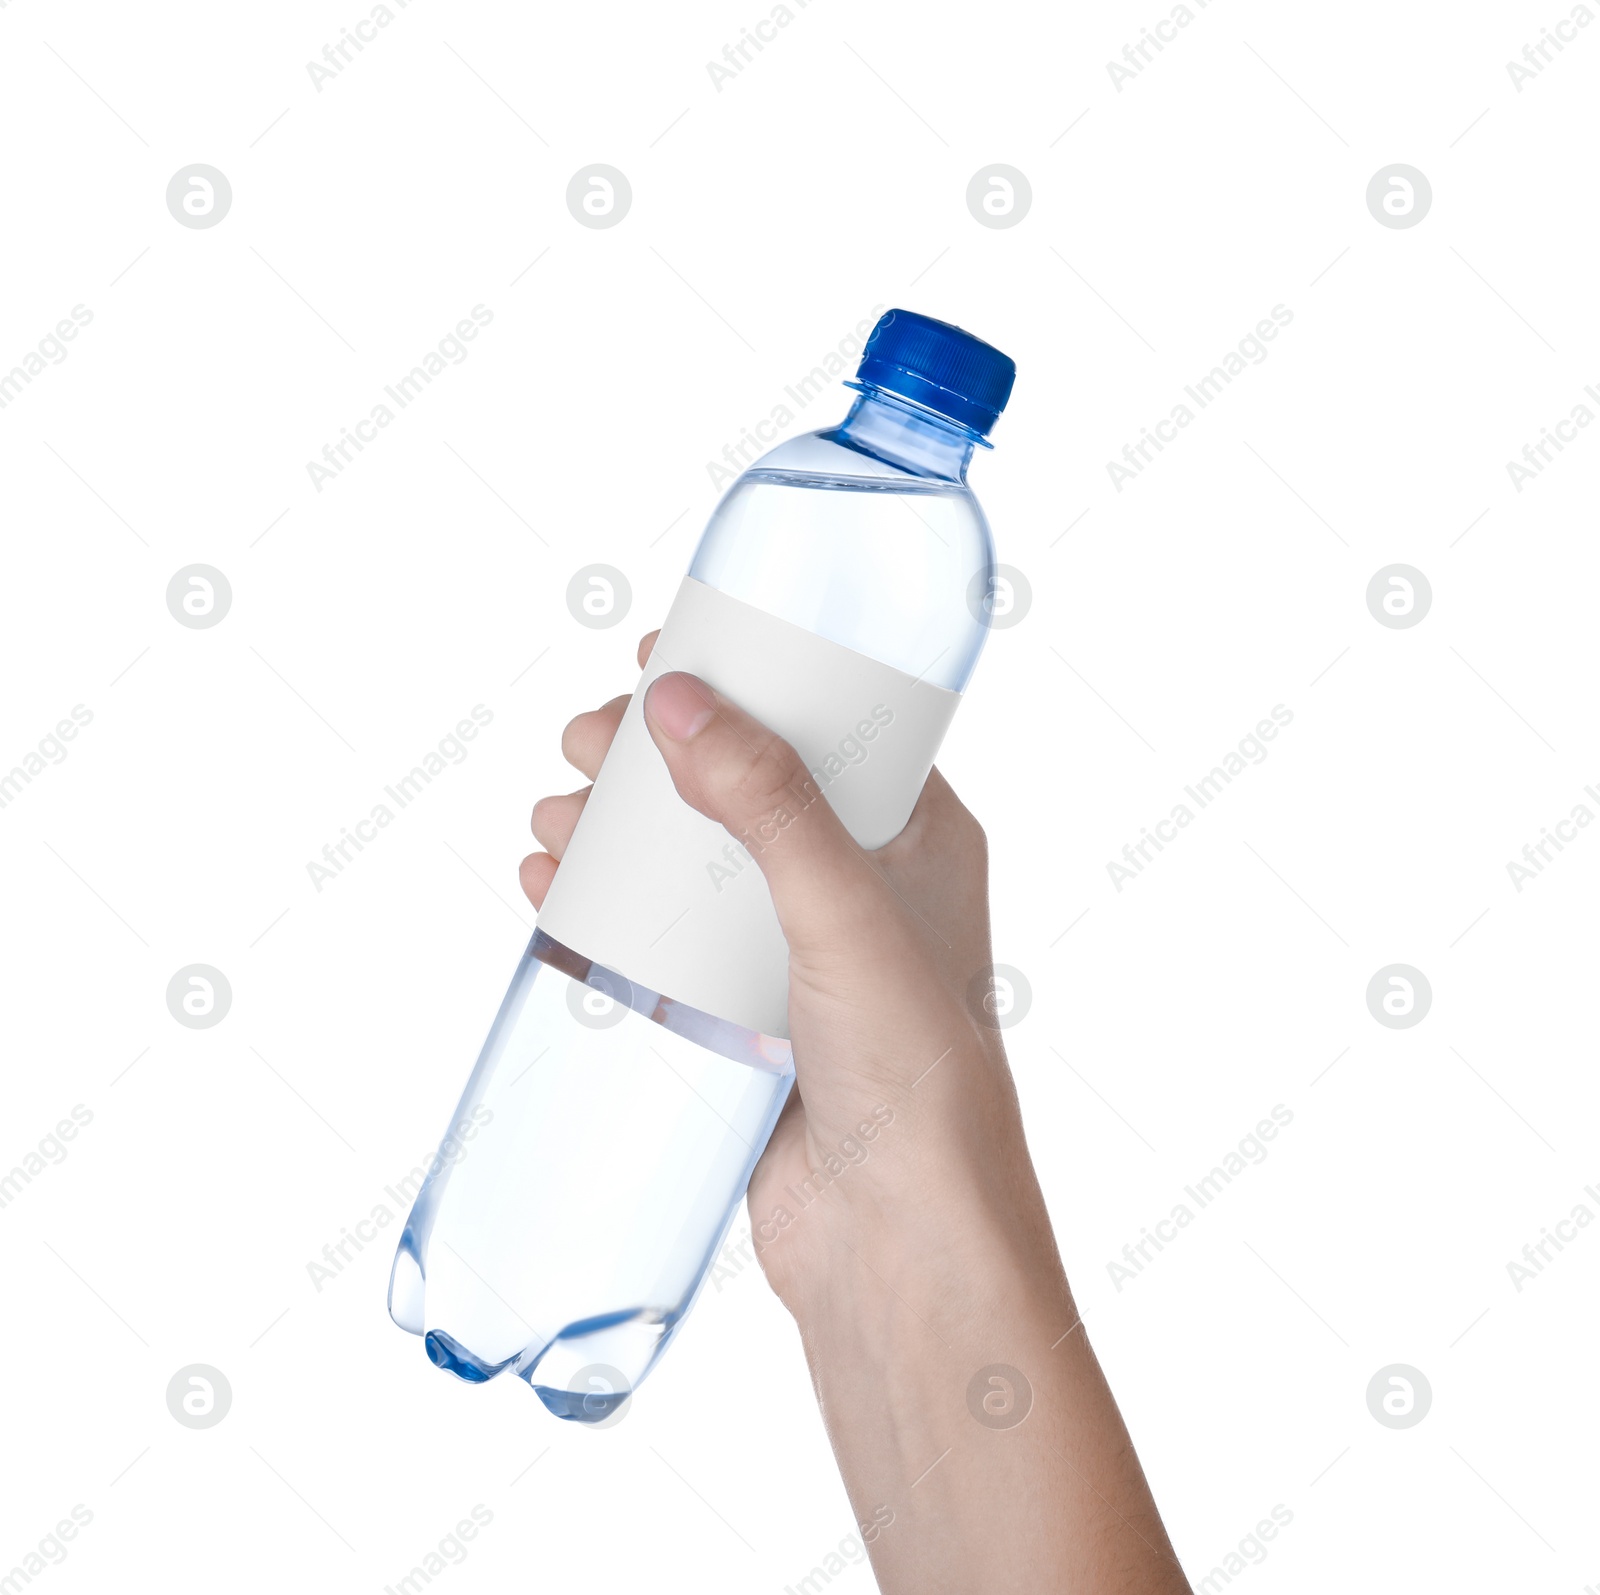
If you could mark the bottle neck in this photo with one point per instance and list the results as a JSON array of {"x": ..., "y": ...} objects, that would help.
[{"x": 908, "y": 436}]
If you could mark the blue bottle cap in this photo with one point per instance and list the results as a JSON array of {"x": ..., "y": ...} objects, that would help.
[{"x": 938, "y": 366}]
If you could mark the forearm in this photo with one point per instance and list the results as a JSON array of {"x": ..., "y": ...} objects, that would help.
[{"x": 979, "y": 1442}]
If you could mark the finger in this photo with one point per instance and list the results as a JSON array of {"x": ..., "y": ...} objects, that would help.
[
  {"x": 536, "y": 873},
  {"x": 554, "y": 819},
  {"x": 586, "y": 739},
  {"x": 940, "y": 859},
  {"x": 939, "y": 865},
  {"x": 646, "y": 645},
  {"x": 734, "y": 770}
]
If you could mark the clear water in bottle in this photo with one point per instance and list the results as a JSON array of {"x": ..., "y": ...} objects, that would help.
[{"x": 621, "y": 1126}]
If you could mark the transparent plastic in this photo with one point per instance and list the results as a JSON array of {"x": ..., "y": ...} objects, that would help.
[{"x": 618, "y": 1128}]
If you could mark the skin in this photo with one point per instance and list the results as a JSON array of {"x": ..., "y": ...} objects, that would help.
[{"x": 924, "y": 1278}]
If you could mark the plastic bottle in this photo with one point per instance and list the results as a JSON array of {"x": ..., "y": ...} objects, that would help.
[{"x": 841, "y": 593}]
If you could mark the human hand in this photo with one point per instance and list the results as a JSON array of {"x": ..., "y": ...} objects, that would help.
[
  {"x": 920, "y": 1262},
  {"x": 900, "y": 1084}
]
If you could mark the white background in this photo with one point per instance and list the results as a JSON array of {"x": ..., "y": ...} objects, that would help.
[{"x": 768, "y": 218}]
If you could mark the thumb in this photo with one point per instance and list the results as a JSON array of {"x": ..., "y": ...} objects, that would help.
[{"x": 732, "y": 769}]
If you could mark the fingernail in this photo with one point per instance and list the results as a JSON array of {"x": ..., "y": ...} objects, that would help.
[{"x": 680, "y": 704}]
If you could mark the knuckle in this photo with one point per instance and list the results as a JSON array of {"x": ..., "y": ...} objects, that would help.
[
  {"x": 956, "y": 826},
  {"x": 768, "y": 777},
  {"x": 969, "y": 832},
  {"x": 943, "y": 822}
]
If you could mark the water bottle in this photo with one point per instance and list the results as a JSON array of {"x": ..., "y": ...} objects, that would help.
[{"x": 841, "y": 593}]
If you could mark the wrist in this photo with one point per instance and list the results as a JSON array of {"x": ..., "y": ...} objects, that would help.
[{"x": 935, "y": 1234}]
